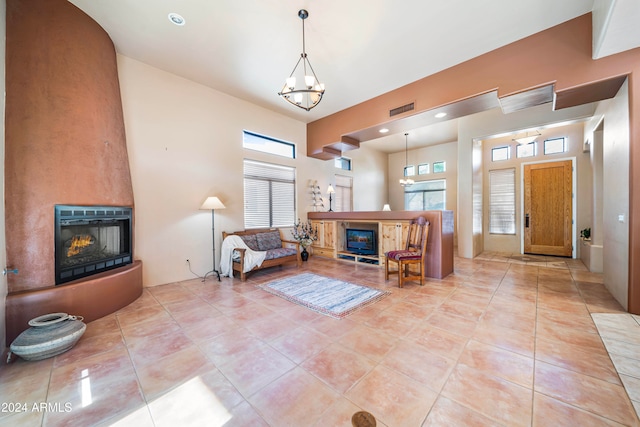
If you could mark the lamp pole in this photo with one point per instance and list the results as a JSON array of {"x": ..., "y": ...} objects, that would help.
[
  {"x": 213, "y": 203},
  {"x": 213, "y": 239}
]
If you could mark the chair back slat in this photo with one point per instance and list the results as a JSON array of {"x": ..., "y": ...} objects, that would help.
[{"x": 417, "y": 234}]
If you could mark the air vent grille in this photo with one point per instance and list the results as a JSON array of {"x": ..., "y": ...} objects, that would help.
[{"x": 400, "y": 110}]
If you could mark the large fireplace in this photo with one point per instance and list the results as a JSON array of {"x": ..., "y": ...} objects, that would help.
[{"x": 90, "y": 240}]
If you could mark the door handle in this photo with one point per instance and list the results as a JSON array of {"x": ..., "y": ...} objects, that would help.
[{"x": 526, "y": 221}]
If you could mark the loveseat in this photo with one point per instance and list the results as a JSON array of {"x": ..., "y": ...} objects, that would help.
[{"x": 277, "y": 251}]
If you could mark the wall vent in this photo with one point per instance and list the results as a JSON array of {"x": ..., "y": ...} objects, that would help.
[{"x": 400, "y": 110}]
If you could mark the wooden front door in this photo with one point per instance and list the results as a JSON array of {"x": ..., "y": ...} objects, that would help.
[{"x": 548, "y": 208}]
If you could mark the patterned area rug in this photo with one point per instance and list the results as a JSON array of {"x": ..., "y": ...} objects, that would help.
[{"x": 331, "y": 297}]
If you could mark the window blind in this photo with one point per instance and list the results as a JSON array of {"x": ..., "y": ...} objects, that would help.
[
  {"x": 502, "y": 201},
  {"x": 343, "y": 195},
  {"x": 269, "y": 195}
]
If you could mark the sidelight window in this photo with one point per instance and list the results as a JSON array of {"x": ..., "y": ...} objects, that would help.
[{"x": 502, "y": 201}]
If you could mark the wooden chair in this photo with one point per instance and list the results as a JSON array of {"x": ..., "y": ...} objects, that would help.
[{"x": 414, "y": 252}]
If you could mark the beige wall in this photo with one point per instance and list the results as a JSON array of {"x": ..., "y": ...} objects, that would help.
[
  {"x": 369, "y": 174},
  {"x": 615, "y": 194},
  {"x": 447, "y": 152},
  {"x": 582, "y": 175},
  {"x": 369, "y": 179},
  {"x": 185, "y": 143}
]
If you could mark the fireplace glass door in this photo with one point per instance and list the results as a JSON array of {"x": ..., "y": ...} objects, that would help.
[{"x": 90, "y": 240}]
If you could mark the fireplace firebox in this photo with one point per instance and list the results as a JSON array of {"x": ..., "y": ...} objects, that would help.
[{"x": 90, "y": 240}]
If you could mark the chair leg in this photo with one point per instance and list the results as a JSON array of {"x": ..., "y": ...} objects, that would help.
[
  {"x": 401, "y": 274},
  {"x": 386, "y": 270}
]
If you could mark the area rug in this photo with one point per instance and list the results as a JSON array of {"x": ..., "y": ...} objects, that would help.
[{"x": 325, "y": 295}]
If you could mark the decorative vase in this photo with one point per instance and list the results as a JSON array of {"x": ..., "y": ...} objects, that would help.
[
  {"x": 49, "y": 335},
  {"x": 304, "y": 254}
]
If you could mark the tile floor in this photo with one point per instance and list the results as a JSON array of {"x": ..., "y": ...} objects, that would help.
[{"x": 504, "y": 341}]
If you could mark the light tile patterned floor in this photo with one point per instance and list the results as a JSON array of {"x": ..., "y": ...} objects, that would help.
[{"x": 506, "y": 340}]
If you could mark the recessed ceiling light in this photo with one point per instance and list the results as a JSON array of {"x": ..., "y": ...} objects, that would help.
[
  {"x": 383, "y": 130},
  {"x": 176, "y": 19},
  {"x": 440, "y": 115}
]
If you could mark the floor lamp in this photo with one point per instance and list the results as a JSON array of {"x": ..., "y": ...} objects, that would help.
[{"x": 213, "y": 203}]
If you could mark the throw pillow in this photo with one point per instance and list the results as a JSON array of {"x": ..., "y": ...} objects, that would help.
[
  {"x": 269, "y": 240},
  {"x": 251, "y": 241}
]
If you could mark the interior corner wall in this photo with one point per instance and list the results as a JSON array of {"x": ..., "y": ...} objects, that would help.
[
  {"x": 64, "y": 132},
  {"x": 369, "y": 179},
  {"x": 616, "y": 197},
  {"x": 370, "y": 184},
  {"x": 185, "y": 144},
  {"x": 446, "y": 152}
]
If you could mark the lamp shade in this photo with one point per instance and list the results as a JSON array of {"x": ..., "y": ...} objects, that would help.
[
  {"x": 330, "y": 190},
  {"x": 386, "y": 207},
  {"x": 212, "y": 203}
]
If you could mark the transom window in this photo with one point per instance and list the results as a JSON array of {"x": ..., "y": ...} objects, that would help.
[
  {"x": 439, "y": 167},
  {"x": 266, "y": 144},
  {"x": 555, "y": 145},
  {"x": 343, "y": 163},
  {"x": 500, "y": 153},
  {"x": 423, "y": 169},
  {"x": 526, "y": 150},
  {"x": 269, "y": 195}
]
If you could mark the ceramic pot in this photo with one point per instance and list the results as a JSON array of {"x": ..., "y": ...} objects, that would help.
[
  {"x": 48, "y": 336},
  {"x": 304, "y": 254}
]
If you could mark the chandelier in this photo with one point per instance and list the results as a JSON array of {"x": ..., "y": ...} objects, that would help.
[
  {"x": 302, "y": 87},
  {"x": 406, "y": 182},
  {"x": 527, "y": 139}
]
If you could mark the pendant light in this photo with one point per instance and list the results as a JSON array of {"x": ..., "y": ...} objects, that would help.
[
  {"x": 527, "y": 139},
  {"x": 302, "y": 87},
  {"x": 406, "y": 182}
]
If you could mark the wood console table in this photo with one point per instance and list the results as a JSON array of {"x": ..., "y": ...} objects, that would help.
[{"x": 391, "y": 226}]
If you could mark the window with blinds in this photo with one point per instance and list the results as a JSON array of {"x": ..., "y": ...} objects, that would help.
[
  {"x": 344, "y": 186},
  {"x": 502, "y": 201},
  {"x": 269, "y": 195},
  {"x": 426, "y": 195}
]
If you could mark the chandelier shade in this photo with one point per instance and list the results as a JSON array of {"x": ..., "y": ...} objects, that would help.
[
  {"x": 302, "y": 88},
  {"x": 406, "y": 182},
  {"x": 527, "y": 139}
]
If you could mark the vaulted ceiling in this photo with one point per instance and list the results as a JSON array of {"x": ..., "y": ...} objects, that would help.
[{"x": 358, "y": 48}]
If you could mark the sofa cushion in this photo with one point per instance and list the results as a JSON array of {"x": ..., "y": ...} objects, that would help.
[
  {"x": 279, "y": 253},
  {"x": 251, "y": 241},
  {"x": 269, "y": 240}
]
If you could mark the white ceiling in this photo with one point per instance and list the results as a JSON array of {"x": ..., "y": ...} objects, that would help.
[{"x": 358, "y": 48}]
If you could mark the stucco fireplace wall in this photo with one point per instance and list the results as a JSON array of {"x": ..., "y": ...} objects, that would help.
[{"x": 65, "y": 138}]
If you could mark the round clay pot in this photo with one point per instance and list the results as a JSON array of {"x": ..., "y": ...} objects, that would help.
[{"x": 48, "y": 336}]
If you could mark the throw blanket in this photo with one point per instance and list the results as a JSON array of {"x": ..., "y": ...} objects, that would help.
[{"x": 251, "y": 258}]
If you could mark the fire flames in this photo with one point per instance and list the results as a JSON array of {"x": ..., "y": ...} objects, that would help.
[{"x": 78, "y": 243}]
